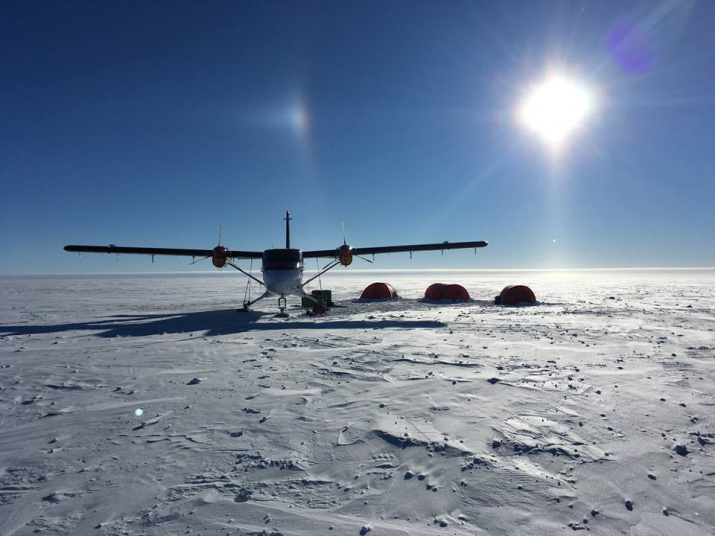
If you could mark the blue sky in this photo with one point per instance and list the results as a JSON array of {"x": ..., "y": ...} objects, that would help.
[{"x": 149, "y": 123}]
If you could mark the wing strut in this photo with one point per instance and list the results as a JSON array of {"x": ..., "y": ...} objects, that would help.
[
  {"x": 330, "y": 266},
  {"x": 244, "y": 272}
]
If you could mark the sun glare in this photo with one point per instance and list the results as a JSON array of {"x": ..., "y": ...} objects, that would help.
[{"x": 556, "y": 108}]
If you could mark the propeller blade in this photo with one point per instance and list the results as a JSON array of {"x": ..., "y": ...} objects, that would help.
[
  {"x": 201, "y": 259},
  {"x": 363, "y": 258}
]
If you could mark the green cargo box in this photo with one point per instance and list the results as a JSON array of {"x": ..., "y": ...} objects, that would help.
[{"x": 323, "y": 296}]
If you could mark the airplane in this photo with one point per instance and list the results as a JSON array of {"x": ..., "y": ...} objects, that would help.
[{"x": 282, "y": 268}]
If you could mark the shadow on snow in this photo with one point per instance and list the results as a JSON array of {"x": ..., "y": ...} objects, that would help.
[{"x": 211, "y": 323}]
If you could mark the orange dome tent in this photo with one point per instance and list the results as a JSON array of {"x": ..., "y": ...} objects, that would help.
[
  {"x": 434, "y": 290},
  {"x": 453, "y": 292},
  {"x": 516, "y": 294},
  {"x": 379, "y": 291}
]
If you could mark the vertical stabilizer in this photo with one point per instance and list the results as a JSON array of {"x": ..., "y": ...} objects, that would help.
[{"x": 287, "y": 218}]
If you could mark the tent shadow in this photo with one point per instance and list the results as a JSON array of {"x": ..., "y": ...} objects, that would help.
[{"x": 209, "y": 323}]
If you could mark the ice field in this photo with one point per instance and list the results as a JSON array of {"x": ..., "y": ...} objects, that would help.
[{"x": 147, "y": 405}]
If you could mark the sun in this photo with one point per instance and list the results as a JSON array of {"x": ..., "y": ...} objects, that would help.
[{"x": 556, "y": 108}]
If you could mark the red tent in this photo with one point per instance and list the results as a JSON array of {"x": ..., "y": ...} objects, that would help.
[
  {"x": 516, "y": 294},
  {"x": 379, "y": 291},
  {"x": 453, "y": 292}
]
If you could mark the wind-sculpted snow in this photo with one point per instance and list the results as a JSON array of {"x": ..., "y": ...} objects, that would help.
[{"x": 149, "y": 406}]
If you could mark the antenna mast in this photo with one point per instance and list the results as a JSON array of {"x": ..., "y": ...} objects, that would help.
[{"x": 287, "y": 219}]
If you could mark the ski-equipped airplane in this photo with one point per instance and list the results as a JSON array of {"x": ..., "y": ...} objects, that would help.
[{"x": 282, "y": 268}]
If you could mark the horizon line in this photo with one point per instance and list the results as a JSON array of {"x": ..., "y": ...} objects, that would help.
[{"x": 358, "y": 271}]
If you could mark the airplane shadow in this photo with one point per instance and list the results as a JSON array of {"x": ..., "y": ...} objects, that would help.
[{"x": 210, "y": 323}]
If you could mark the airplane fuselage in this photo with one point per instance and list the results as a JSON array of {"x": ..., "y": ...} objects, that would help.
[{"x": 283, "y": 271}]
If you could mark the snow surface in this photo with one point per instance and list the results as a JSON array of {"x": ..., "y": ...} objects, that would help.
[{"x": 148, "y": 405}]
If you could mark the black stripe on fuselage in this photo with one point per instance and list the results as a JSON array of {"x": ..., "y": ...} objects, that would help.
[{"x": 282, "y": 259}]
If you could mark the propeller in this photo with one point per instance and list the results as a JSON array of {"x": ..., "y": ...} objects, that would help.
[
  {"x": 219, "y": 255},
  {"x": 345, "y": 252}
]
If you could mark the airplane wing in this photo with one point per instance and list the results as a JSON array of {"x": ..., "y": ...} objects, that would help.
[
  {"x": 396, "y": 249},
  {"x": 176, "y": 252}
]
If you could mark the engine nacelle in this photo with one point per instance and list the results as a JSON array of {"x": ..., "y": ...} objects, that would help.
[
  {"x": 345, "y": 255},
  {"x": 219, "y": 257}
]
